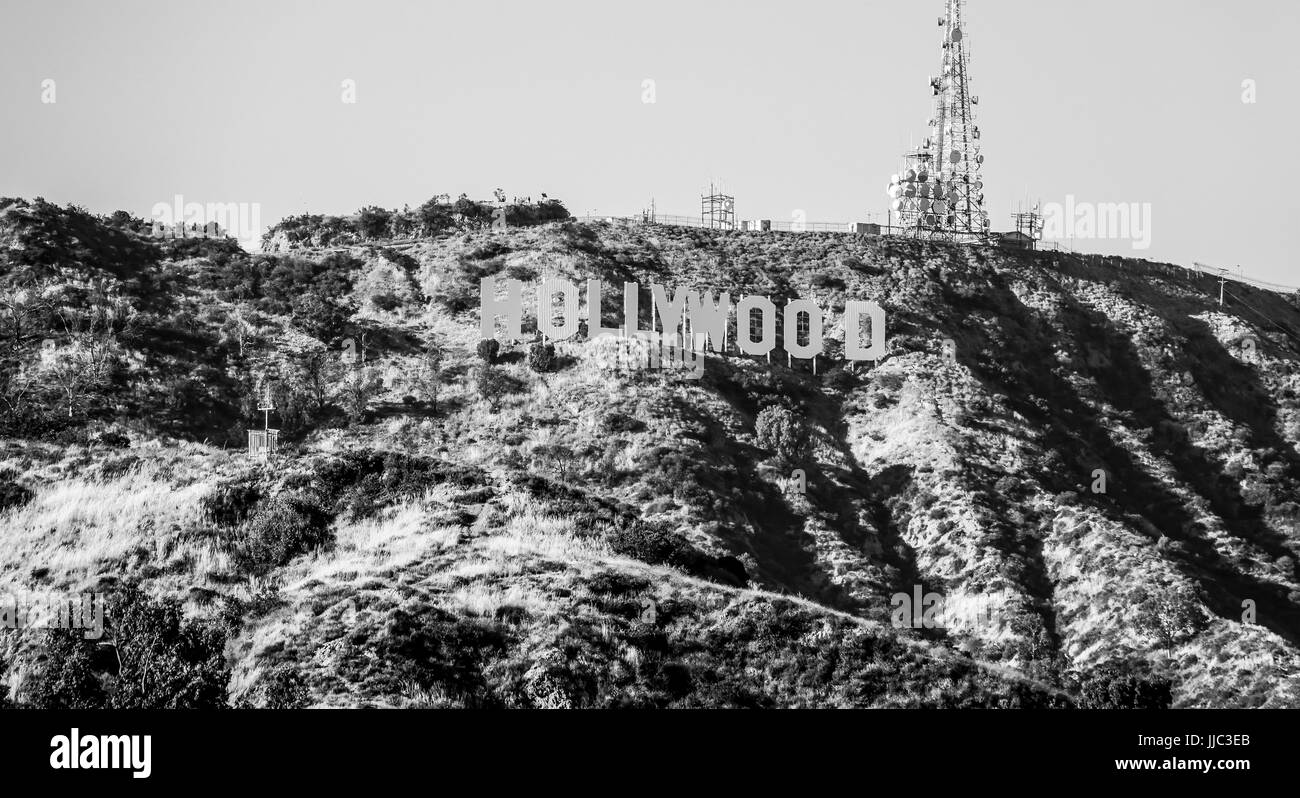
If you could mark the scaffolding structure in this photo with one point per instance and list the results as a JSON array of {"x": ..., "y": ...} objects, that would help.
[
  {"x": 938, "y": 193},
  {"x": 1030, "y": 224},
  {"x": 717, "y": 210}
]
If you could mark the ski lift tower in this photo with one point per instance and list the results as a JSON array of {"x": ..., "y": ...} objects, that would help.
[
  {"x": 262, "y": 443},
  {"x": 938, "y": 193}
]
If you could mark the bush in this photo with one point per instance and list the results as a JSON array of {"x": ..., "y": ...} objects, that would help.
[
  {"x": 782, "y": 433},
  {"x": 494, "y": 384},
  {"x": 359, "y": 484},
  {"x": 112, "y": 439},
  {"x": 1108, "y": 688},
  {"x": 151, "y": 657},
  {"x": 488, "y": 348},
  {"x": 621, "y": 422},
  {"x": 387, "y": 302},
  {"x": 283, "y": 528},
  {"x": 282, "y": 687},
  {"x": 230, "y": 503},
  {"x": 14, "y": 495},
  {"x": 541, "y": 357}
]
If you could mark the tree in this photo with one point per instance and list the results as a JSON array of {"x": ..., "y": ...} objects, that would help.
[
  {"x": 316, "y": 372},
  {"x": 24, "y": 316},
  {"x": 80, "y": 369},
  {"x": 151, "y": 657},
  {"x": 781, "y": 432},
  {"x": 373, "y": 221},
  {"x": 428, "y": 372},
  {"x": 358, "y": 389},
  {"x": 494, "y": 384},
  {"x": 1170, "y": 617},
  {"x": 320, "y": 316}
]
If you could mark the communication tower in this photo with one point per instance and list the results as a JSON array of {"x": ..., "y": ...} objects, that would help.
[
  {"x": 718, "y": 210},
  {"x": 939, "y": 191}
]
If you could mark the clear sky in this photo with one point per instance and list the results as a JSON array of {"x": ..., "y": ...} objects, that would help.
[{"x": 794, "y": 105}]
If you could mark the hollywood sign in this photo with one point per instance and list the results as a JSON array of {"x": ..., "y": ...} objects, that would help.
[{"x": 687, "y": 316}]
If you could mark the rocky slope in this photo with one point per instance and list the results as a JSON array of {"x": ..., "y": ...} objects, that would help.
[{"x": 1102, "y": 457}]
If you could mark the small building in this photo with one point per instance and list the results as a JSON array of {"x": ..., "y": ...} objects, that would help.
[
  {"x": 864, "y": 229},
  {"x": 261, "y": 443},
  {"x": 1016, "y": 240}
]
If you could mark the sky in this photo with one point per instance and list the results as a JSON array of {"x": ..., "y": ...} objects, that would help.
[{"x": 794, "y": 106}]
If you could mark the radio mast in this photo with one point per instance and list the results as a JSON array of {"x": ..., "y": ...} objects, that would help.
[{"x": 939, "y": 194}]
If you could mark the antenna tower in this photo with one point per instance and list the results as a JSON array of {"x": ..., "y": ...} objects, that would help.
[
  {"x": 939, "y": 194},
  {"x": 718, "y": 210}
]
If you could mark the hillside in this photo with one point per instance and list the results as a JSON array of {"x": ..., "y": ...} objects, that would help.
[{"x": 571, "y": 536}]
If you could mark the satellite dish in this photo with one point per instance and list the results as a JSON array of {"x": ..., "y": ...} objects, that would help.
[
  {"x": 910, "y": 191},
  {"x": 929, "y": 219},
  {"x": 909, "y": 175},
  {"x": 925, "y": 205},
  {"x": 894, "y": 179},
  {"x": 955, "y": 156},
  {"x": 922, "y": 176},
  {"x": 979, "y": 159},
  {"x": 979, "y": 185},
  {"x": 898, "y": 205},
  {"x": 940, "y": 207},
  {"x": 956, "y": 34}
]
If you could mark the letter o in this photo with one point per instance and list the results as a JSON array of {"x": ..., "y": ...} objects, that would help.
[
  {"x": 768, "y": 312},
  {"x": 814, "y": 346}
]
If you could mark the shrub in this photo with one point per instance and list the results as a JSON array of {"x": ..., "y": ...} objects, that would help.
[
  {"x": 1108, "y": 688},
  {"x": 782, "y": 433},
  {"x": 230, "y": 503},
  {"x": 151, "y": 657},
  {"x": 14, "y": 495},
  {"x": 488, "y": 348},
  {"x": 387, "y": 302},
  {"x": 359, "y": 484},
  {"x": 494, "y": 384},
  {"x": 320, "y": 316},
  {"x": 621, "y": 422},
  {"x": 541, "y": 357},
  {"x": 283, "y": 528},
  {"x": 282, "y": 687},
  {"x": 112, "y": 439}
]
